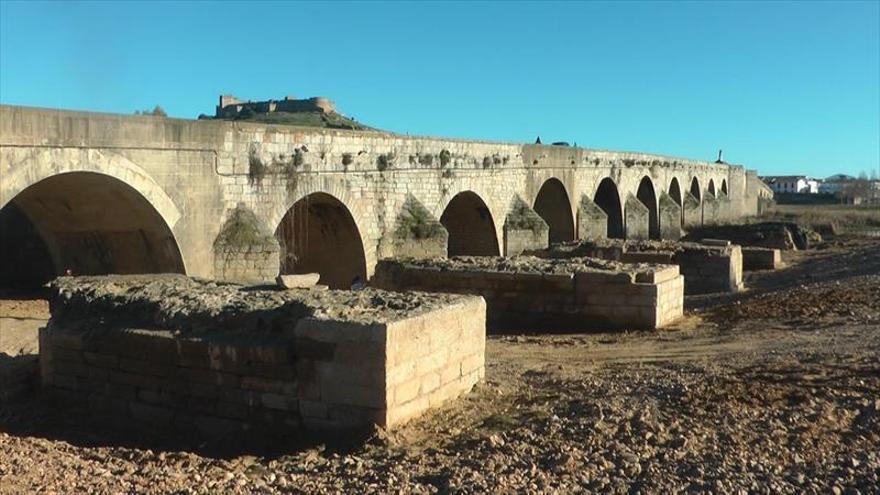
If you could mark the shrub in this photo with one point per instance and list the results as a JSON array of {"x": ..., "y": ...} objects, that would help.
[
  {"x": 445, "y": 157},
  {"x": 256, "y": 168},
  {"x": 385, "y": 161}
]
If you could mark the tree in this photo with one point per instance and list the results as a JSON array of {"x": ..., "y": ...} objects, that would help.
[{"x": 157, "y": 111}]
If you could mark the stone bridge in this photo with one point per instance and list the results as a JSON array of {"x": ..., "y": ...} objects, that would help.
[{"x": 99, "y": 193}]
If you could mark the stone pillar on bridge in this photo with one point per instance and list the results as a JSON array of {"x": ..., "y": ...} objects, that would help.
[
  {"x": 417, "y": 234},
  {"x": 245, "y": 250},
  {"x": 692, "y": 211},
  {"x": 725, "y": 208},
  {"x": 524, "y": 229},
  {"x": 637, "y": 219},
  {"x": 592, "y": 220},
  {"x": 710, "y": 209},
  {"x": 670, "y": 218}
]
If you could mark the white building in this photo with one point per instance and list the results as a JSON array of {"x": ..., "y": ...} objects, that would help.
[{"x": 792, "y": 184}]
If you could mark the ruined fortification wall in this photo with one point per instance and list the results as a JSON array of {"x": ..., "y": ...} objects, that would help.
[{"x": 256, "y": 361}]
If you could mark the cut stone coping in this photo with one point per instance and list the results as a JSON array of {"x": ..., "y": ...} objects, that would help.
[{"x": 190, "y": 305}]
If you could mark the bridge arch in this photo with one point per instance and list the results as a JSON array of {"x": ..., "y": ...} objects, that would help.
[
  {"x": 724, "y": 186},
  {"x": 553, "y": 205},
  {"x": 607, "y": 197},
  {"x": 648, "y": 197},
  {"x": 675, "y": 191},
  {"x": 318, "y": 234},
  {"x": 471, "y": 228},
  {"x": 695, "y": 189},
  {"x": 711, "y": 188},
  {"x": 87, "y": 222}
]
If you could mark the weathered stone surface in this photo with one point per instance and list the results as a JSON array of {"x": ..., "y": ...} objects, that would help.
[
  {"x": 592, "y": 220},
  {"x": 193, "y": 173},
  {"x": 637, "y": 218},
  {"x": 297, "y": 281},
  {"x": 711, "y": 209},
  {"x": 270, "y": 360},
  {"x": 706, "y": 268},
  {"x": 524, "y": 229},
  {"x": 535, "y": 293},
  {"x": 715, "y": 242},
  {"x": 757, "y": 258},
  {"x": 670, "y": 218},
  {"x": 692, "y": 211},
  {"x": 245, "y": 250},
  {"x": 417, "y": 233}
]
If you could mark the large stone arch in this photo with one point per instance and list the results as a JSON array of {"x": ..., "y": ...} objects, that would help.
[
  {"x": 648, "y": 196},
  {"x": 607, "y": 197},
  {"x": 471, "y": 226},
  {"x": 724, "y": 187},
  {"x": 319, "y": 234},
  {"x": 85, "y": 222},
  {"x": 33, "y": 166},
  {"x": 553, "y": 204},
  {"x": 695, "y": 190},
  {"x": 711, "y": 188},
  {"x": 361, "y": 214},
  {"x": 674, "y": 191}
]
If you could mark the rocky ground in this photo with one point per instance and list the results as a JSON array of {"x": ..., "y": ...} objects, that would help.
[
  {"x": 776, "y": 389},
  {"x": 529, "y": 264}
]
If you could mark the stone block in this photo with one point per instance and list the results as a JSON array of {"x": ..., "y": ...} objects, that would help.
[{"x": 297, "y": 281}]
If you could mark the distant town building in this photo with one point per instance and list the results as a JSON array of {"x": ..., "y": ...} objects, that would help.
[
  {"x": 835, "y": 183},
  {"x": 231, "y": 107},
  {"x": 792, "y": 184}
]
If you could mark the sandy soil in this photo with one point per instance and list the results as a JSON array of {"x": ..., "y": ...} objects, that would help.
[{"x": 776, "y": 389}]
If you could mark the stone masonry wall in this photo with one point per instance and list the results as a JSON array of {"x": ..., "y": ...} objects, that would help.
[
  {"x": 331, "y": 376},
  {"x": 579, "y": 301},
  {"x": 706, "y": 269},
  {"x": 758, "y": 258}
]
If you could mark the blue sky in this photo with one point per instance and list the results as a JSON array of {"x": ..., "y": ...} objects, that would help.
[{"x": 784, "y": 87}]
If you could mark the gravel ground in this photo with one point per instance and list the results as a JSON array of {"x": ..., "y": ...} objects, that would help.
[{"x": 775, "y": 390}]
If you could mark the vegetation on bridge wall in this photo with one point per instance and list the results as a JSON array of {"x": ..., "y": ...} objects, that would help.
[{"x": 244, "y": 250}]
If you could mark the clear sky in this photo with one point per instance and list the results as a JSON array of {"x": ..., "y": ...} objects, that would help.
[{"x": 784, "y": 87}]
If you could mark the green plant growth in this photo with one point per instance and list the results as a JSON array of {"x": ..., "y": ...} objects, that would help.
[
  {"x": 242, "y": 230},
  {"x": 427, "y": 159},
  {"x": 256, "y": 168},
  {"x": 521, "y": 217},
  {"x": 445, "y": 157},
  {"x": 347, "y": 159},
  {"x": 385, "y": 161},
  {"x": 416, "y": 222}
]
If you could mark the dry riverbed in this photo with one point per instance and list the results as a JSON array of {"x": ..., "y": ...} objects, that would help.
[{"x": 776, "y": 389}]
